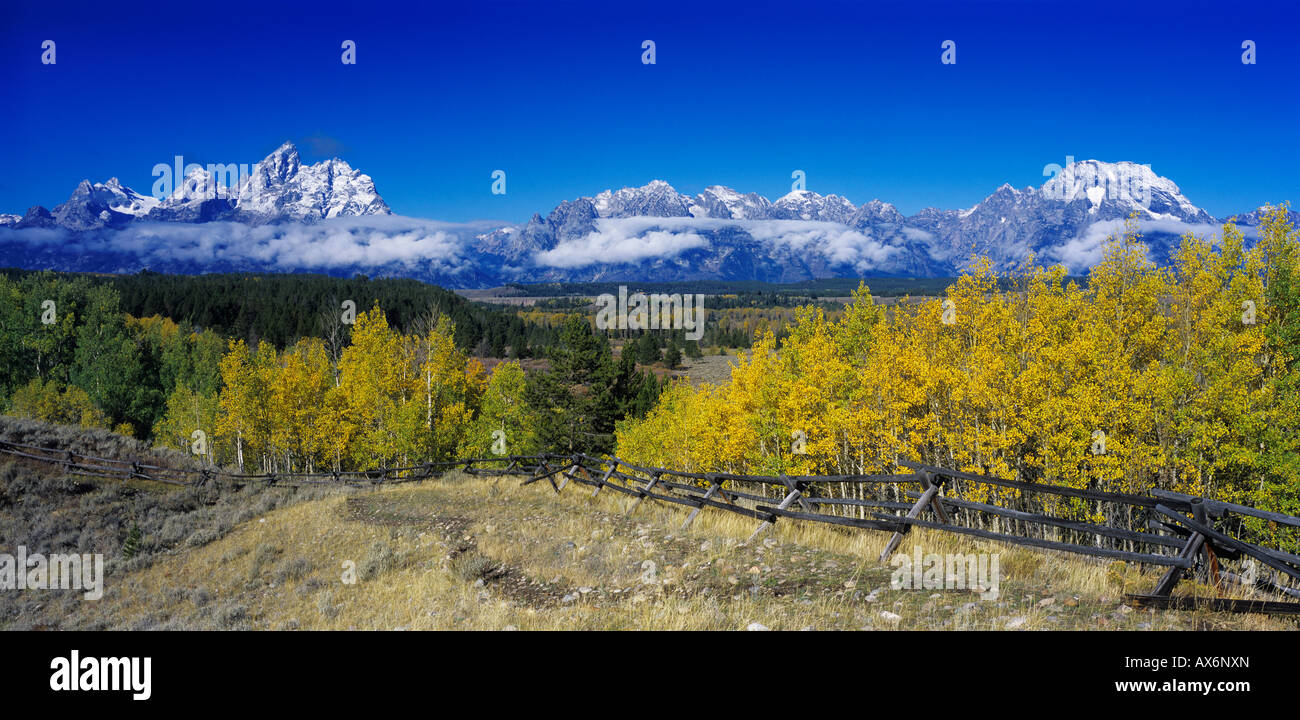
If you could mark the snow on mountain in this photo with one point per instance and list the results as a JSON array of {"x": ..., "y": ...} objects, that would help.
[
  {"x": 745, "y": 236},
  {"x": 717, "y": 201},
  {"x": 633, "y": 233},
  {"x": 656, "y": 199},
  {"x": 199, "y": 197},
  {"x": 1121, "y": 189},
  {"x": 96, "y": 205},
  {"x": 876, "y": 212},
  {"x": 282, "y": 188},
  {"x": 808, "y": 205}
]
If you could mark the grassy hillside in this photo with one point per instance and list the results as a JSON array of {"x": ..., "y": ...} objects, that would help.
[
  {"x": 468, "y": 552},
  {"x": 133, "y": 524}
]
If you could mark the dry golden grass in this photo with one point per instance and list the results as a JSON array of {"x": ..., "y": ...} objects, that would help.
[{"x": 482, "y": 553}]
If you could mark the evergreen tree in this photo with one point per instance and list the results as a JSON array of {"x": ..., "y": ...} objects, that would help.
[
  {"x": 573, "y": 400},
  {"x": 672, "y": 356}
]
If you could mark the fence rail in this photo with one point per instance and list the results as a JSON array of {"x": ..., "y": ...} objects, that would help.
[{"x": 1193, "y": 539}]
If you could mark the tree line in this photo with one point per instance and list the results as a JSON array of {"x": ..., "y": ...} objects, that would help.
[
  {"x": 1184, "y": 378},
  {"x": 359, "y": 393}
]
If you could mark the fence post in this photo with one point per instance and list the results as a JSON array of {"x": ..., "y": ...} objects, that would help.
[
  {"x": 714, "y": 487},
  {"x": 932, "y": 486},
  {"x": 785, "y": 504},
  {"x": 564, "y": 478},
  {"x": 538, "y": 475},
  {"x": 1195, "y": 541},
  {"x": 605, "y": 478},
  {"x": 1200, "y": 515},
  {"x": 928, "y": 479},
  {"x": 654, "y": 480}
]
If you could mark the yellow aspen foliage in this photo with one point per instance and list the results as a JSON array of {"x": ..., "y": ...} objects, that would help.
[{"x": 1140, "y": 377}]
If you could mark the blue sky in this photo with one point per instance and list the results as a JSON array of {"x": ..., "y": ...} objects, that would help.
[{"x": 555, "y": 94}]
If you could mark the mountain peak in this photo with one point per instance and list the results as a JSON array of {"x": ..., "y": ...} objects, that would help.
[
  {"x": 1120, "y": 188},
  {"x": 808, "y": 205},
  {"x": 654, "y": 199}
]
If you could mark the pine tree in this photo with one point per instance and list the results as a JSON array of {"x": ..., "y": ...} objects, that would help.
[{"x": 672, "y": 356}]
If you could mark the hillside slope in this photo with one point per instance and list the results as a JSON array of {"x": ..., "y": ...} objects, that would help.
[{"x": 468, "y": 552}]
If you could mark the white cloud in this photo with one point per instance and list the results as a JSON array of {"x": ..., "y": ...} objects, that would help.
[
  {"x": 369, "y": 241},
  {"x": 1088, "y": 248},
  {"x": 621, "y": 240},
  {"x": 637, "y": 239}
]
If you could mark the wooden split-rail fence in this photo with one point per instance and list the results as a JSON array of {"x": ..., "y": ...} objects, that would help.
[{"x": 1182, "y": 533}]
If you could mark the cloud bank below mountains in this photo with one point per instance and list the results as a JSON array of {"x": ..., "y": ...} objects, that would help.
[
  {"x": 374, "y": 241},
  {"x": 450, "y": 252},
  {"x": 635, "y": 240},
  {"x": 1087, "y": 249}
]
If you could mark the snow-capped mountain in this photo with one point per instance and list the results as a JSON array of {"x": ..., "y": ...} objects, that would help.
[
  {"x": 654, "y": 231},
  {"x": 95, "y": 205},
  {"x": 722, "y": 202},
  {"x": 1118, "y": 189},
  {"x": 328, "y": 217},
  {"x": 657, "y": 199},
  {"x": 280, "y": 188},
  {"x": 807, "y": 205},
  {"x": 200, "y": 196}
]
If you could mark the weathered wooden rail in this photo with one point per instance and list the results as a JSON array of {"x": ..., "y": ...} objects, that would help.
[
  {"x": 1185, "y": 541},
  {"x": 1182, "y": 533}
]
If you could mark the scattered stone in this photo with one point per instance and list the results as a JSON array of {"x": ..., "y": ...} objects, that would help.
[
  {"x": 479, "y": 583},
  {"x": 757, "y": 627},
  {"x": 568, "y": 598},
  {"x": 1015, "y": 622},
  {"x": 1046, "y": 601},
  {"x": 510, "y": 628},
  {"x": 889, "y": 616}
]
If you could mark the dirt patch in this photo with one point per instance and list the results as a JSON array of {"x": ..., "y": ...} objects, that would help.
[{"x": 463, "y": 554}]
